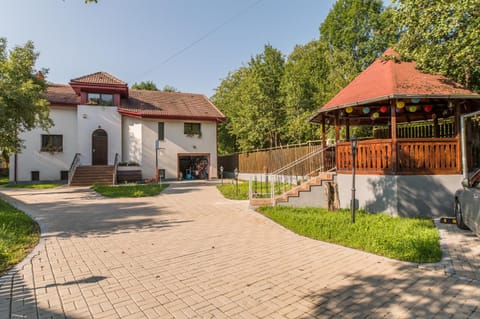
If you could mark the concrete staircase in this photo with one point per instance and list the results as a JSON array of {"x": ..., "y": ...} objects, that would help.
[
  {"x": 299, "y": 191},
  {"x": 89, "y": 175},
  {"x": 309, "y": 193}
]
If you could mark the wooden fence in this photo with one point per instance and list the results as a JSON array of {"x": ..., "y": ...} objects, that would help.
[{"x": 267, "y": 161}]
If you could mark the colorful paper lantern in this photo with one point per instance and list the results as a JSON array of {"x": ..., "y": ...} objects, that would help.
[
  {"x": 349, "y": 109},
  {"x": 400, "y": 104},
  {"x": 416, "y": 100},
  {"x": 383, "y": 109},
  {"x": 412, "y": 108},
  {"x": 428, "y": 108},
  {"x": 366, "y": 110},
  {"x": 376, "y": 115}
]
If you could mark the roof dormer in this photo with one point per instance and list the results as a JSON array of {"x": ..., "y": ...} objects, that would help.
[{"x": 99, "y": 88}]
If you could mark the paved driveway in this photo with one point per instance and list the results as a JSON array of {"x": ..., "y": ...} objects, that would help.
[{"x": 189, "y": 253}]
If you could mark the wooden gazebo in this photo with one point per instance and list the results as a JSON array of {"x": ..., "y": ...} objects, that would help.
[{"x": 416, "y": 141}]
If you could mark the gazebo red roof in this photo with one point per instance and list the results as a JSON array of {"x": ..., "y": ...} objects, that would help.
[{"x": 389, "y": 78}]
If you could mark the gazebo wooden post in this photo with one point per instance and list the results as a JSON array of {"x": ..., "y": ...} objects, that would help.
[
  {"x": 337, "y": 137},
  {"x": 324, "y": 142},
  {"x": 347, "y": 130},
  {"x": 393, "y": 123},
  {"x": 458, "y": 137},
  {"x": 337, "y": 128}
]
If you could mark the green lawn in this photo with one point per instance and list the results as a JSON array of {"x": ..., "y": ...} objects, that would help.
[
  {"x": 228, "y": 190},
  {"x": 407, "y": 239},
  {"x": 18, "y": 235},
  {"x": 130, "y": 190},
  {"x": 33, "y": 185},
  {"x": 3, "y": 180}
]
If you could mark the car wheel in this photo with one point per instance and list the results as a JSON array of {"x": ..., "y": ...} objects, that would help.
[{"x": 459, "y": 216}]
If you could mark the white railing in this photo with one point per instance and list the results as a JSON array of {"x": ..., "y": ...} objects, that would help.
[
  {"x": 269, "y": 186},
  {"x": 73, "y": 167}
]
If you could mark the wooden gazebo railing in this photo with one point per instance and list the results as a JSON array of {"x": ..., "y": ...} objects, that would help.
[{"x": 424, "y": 156}]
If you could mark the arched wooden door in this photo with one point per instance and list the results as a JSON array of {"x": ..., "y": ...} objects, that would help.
[{"x": 99, "y": 147}]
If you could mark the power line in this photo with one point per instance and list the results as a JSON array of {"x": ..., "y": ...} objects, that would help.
[{"x": 203, "y": 37}]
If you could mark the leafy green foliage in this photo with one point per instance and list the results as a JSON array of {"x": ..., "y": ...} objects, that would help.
[
  {"x": 361, "y": 28},
  {"x": 407, "y": 239},
  {"x": 313, "y": 74},
  {"x": 442, "y": 37},
  {"x": 135, "y": 190},
  {"x": 251, "y": 99},
  {"x": 22, "y": 105},
  {"x": 145, "y": 85},
  {"x": 169, "y": 88},
  {"x": 18, "y": 235}
]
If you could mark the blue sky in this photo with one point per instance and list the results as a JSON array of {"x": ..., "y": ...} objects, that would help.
[{"x": 143, "y": 39}]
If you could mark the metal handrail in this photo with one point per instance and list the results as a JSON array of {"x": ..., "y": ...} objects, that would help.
[
  {"x": 73, "y": 167},
  {"x": 301, "y": 160},
  {"x": 277, "y": 183},
  {"x": 115, "y": 168}
]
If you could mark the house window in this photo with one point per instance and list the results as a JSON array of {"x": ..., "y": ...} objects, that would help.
[
  {"x": 52, "y": 143},
  {"x": 63, "y": 175},
  {"x": 100, "y": 99},
  {"x": 35, "y": 176},
  {"x": 161, "y": 131},
  {"x": 192, "y": 128}
]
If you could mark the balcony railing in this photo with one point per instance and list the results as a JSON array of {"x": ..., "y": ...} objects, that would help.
[{"x": 426, "y": 156}]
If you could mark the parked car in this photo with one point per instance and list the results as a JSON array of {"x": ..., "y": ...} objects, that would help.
[{"x": 467, "y": 203}]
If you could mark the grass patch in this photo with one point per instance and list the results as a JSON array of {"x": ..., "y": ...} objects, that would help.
[
  {"x": 407, "y": 239},
  {"x": 229, "y": 191},
  {"x": 33, "y": 185},
  {"x": 18, "y": 235},
  {"x": 130, "y": 190},
  {"x": 4, "y": 180}
]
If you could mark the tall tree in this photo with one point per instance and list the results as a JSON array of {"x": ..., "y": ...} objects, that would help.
[
  {"x": 269, "y": 113},
  {"x": 252, "y": 100},
  {"x": 22, "y": 105},
  {"x": 145, "y": 85},
  {"x": 360, "y": 28},
  {"x": 314, "y": 73},
  {"x": 442, "y": 37}
]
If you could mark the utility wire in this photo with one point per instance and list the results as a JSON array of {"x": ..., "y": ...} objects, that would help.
[{"x": 203, "y": 37}]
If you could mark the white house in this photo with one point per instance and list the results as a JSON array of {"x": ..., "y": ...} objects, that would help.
[{"x": 101, "y": 119}]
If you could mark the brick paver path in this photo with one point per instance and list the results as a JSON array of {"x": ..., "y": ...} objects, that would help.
[{"x": 189, "y": 253}]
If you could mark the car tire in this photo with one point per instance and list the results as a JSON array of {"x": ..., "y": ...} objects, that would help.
[{"x": 459, "y": 216}]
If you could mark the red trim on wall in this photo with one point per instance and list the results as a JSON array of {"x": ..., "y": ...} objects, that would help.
[{"x": 100, "y": 88}]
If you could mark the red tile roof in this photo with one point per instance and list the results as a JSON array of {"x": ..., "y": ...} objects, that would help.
[
  {"x": 158, "y": 104},
  {"x": 388, "y": 78},
  {"x": 149, "y": 104},
  {"x": 98, "y": 78},
  {"x": 62, "y": 94}
]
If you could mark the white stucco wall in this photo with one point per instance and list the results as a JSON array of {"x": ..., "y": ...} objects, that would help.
[
  {"x": 176, "y": 142},
  {"x": 48, "y": 164},
  {"x": 91, "y": 118},
  {"x": 132, "y": 139}
]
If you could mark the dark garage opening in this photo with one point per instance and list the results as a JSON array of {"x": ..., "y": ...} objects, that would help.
[{"x": 193, "y": 166}]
